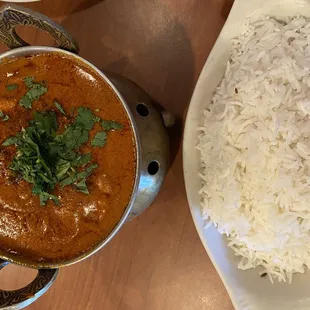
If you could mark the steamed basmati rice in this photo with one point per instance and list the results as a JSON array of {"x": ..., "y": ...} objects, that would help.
[{"x": 255, "y": 148}]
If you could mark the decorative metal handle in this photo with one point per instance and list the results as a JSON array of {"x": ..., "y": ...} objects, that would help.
[
  {"x": 18, "y": 299},
  {"x": 13, "y": 15}
]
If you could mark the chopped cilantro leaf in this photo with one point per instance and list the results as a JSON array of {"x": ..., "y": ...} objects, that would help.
[
  {"x": 28, "y": 80},
  {"x": 45, "y": 122},
  {"x": 4, "y": 117},
  {"x": 77, "y": 133},
  {"x": 78, "y": 176},
  {"x": 59, "y": 107},
  {"x": 62, "y": 168},
  {"x": 85, "y": 116},
  {"x": 10, "y": 141},
  {"x": 44, "y": 197},
  {"x": 35, "y": 91},
  {"x": 99, "y": 139},
  {"x": 68, "y": 181},
  {"x": 111, "y": 125},
  {"x": 11, "y": 87},
  {"x": 87, "y": 172},
  {"x": 25, "y": 102},
  {"x": 82, "y": 187},
  {"x": 81, "y": 160},
  {"x": 45, "y": 158}
]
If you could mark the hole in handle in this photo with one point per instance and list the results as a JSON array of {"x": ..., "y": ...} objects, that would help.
[
  {"x": 143, "y": 109},
  {"x": 35, "y": 36},
  {"x": 14, "y": 277},
  {"x": 153, "y": 167}
]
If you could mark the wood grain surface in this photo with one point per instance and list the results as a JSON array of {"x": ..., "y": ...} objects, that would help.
[{"x": 156, "y": 261}]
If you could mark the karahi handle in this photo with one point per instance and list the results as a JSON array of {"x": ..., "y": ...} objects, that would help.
[
  {"x": 14, "y": 15},
  {"x": 21, "y": 298}
]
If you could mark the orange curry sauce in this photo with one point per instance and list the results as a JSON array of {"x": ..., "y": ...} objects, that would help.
[{"x": 54, "y": 233}]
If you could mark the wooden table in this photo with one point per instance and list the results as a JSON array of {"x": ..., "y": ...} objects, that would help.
[{"x": 157, "y": 260}]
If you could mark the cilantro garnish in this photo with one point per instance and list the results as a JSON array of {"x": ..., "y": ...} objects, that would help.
[
  {"x": 78, "y": 177},
  {"x": 85, "y": 117},
  {"x": 3, "y": 116},
  {"x": 59, "y": 107},
  {"x": 77, "y": 133},
  {"x": 45, "y": 158},
  {"x": 99, "y": 139},
  {"x": 35, "y": 91},
  {"x": 11, "y": 87},
  {"x": 28, "y": 80},
  {"x": 111, "y": 125},
  {"x": 10, "y": 141}
]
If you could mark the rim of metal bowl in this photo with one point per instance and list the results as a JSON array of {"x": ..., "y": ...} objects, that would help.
[{"x": 33, "y": 50}]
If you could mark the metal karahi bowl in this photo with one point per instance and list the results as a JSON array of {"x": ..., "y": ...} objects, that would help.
[{"x": 151, "y": 141}]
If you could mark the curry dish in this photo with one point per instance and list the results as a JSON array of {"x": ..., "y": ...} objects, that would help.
[{"x": 53, "y": 216}]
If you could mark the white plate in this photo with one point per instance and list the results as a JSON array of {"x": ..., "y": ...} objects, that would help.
[{"x": 246, "y": 289}]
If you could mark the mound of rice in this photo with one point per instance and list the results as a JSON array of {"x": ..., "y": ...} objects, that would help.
[{"x": 255, "y": 148}]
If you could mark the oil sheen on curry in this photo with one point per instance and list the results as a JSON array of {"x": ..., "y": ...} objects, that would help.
[{"x": 67, "y": 158}]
